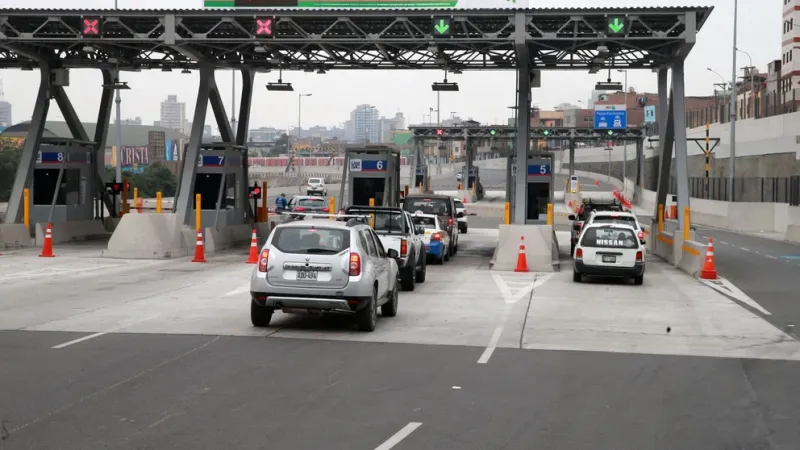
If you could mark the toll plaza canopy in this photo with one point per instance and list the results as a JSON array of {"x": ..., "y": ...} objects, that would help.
[{"x": 321, "y": 39}]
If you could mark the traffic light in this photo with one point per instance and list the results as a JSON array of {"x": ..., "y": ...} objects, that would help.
[
  {"x": 547, "y": 133},
  {"x": 114, "y": 188},
  {"x": 610, "y": 132},
  {"x": 492, "y": 132},
  {"x": 255, "y": 191},
  {"x": 439, "y": 132}
]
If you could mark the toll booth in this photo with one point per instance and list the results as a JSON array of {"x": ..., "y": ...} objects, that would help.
[
  {"x": 372, "y": 171},
  {"x": 473, "y": 177},
  {"x": 539, "y": 185},
  {"x": 222, "y": 182},
  {"x": 62, "y": 188},
  {"x": 421, "y": 178}
]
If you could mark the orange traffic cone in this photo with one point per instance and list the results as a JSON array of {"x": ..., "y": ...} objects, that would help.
[
  {"x": 465, "y": 200},
  {"x": 709, "y": 271},
  {"x": 570, "y": 204},
  {"x": 597, "y": 182},
  {"x": 47, "y": 248},
  {"x": 522, "y": 260},
  {"x": 199, "y": 249},
  {"x": 253, "y": 258}
]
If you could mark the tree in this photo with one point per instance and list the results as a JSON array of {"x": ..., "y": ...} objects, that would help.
[
  {"x": 281, "y": 146},
  {"x": 154, "y": 178},
  {"x": 9, "y": 161}
]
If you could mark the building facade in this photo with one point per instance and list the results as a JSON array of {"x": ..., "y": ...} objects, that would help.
[
  {"x": 366, "y": 124},
  {"x": 173, "y": 114},
  {"x": 790, "y": 45}
]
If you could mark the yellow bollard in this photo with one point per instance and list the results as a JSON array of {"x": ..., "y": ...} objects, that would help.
[
  {"x": 372, "y": 216},
  {"x": 660, "y": 218},
  {"x": 459, "y": 186},
  {"x": 136, "y": 198},
  {"x": 158, "y": 202},
  {"x": 420, "y": 188},
  {"x": 264, "y": 206},
  {"x": 332, "y": 206},
  {"x": 686, "y": 223},
  {"x": 198, "y": 211},
  {"x": 474, "y": 187},
  {"x": 507, "y": 213},
  {"x": 549, "y": 213},
  {"x": 405, "y": 191},
  {"x": 26, "y": 208}
]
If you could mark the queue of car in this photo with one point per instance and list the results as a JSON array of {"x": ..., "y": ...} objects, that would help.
[
  {"x": 354, "y": 261},
  {"x": 607, "y": 241}
]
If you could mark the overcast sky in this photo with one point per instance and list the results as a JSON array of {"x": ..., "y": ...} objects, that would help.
[{"x": 484, "y": 96}]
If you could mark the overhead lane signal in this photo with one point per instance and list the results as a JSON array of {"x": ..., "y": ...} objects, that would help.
[
  {"x": 442, "y": 26},
  {"x": 264, "y": 27},
  {"x": 615, "y": 25},
  {"x": 90, "y": 26}
]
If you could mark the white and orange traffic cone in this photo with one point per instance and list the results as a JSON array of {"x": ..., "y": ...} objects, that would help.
[
  {"x": 465, "y": 200},
  {"x": 199, "y": 249},
  {"x": 253, "y": 258},
  {"x": 596, "y": 182},
  {"x": 709, "y": 271},
  {"x": 522, "y": 259},
  {"x": 47, "y": 247}
]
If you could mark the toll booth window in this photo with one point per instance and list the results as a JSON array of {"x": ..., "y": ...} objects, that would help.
[
  {"x": 609, "y": 238},
  {"x": 44, "y": 187},
  {"x": 386, "y": 222},
  {"x": 366, "y": 188},
  {"x": 538, "y": 197},
  {"x": 428, "y": 206},
  {"x": 230, "y": 191}
]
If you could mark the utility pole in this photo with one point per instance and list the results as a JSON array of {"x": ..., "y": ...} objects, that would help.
[
  {"x": 118, "y": 101},
  {"x": 625, "y": 143},
  {"x": 732, "y": 164}
]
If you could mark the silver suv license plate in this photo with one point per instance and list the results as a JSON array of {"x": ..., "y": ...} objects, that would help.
[{"x": 307, "y": 275}]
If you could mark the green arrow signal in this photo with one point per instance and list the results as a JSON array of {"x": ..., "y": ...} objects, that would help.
[
  {"x": 492, "y": 132},
  {"x": 616, "y": 25},
  {"x": 442, "y": 27}
]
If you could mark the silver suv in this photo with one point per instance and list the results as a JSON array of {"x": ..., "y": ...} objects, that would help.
[{"x": 330, "y": 266}]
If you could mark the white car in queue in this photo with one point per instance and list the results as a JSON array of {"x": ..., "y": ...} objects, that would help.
[
  {"x": 627, "y": 218},
  {"x": 436, "y": 239},
  {"x": 609, "y": 250}
]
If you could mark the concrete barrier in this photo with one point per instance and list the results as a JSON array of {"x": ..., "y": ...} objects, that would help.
[
  {"x": 664, "y": 246},
  {"x": 74, "y": 231},
  {"x": 541, "y": 248},
  {"x": 149, "y": 236},
  {"x": 15, "y": 235},
  {"x": 227, "y": 237},
  {"x": 692, "y": 257}
]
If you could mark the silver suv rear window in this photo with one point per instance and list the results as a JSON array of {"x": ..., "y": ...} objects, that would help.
[
  {"x": 608, "y": 237},
  {"x": 311, "y": 240},
  {"x": 312, "y": 202}
]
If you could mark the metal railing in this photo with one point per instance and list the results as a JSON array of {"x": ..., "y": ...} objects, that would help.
[{"x": 768, "y": 190}]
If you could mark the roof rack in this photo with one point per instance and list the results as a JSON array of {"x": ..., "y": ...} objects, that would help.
[{"x": 338, "y": 217}]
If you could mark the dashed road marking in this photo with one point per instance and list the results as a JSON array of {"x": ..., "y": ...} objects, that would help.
[{"x": 399, "y": 436}]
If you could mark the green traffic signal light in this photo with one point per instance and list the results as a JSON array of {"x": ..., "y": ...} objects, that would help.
[
  {"x": 610, "y": 132},
  {"x": 492, "y": 132}
]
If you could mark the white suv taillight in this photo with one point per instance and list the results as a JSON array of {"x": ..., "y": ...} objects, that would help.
[
  {"x": 262, "y": 260},
  {"x": 639, "y": 256},
  {"x": 579, "y": 253},
  {"x": 355, "y": 264}
]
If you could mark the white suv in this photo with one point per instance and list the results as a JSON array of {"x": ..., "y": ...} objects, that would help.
[
  {"x": 316, "y": 186},
  {"x": 462, "y": 221},
  {"x": 609, "y": 250}
]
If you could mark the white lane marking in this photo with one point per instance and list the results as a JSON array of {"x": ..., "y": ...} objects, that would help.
[
  {"x": 513, "y": 297},
  {"x": 50, "y": 273},
  {"x": 723, "y": 242},
  {"x": 399, "y": 436},
  {"x": 92, "y": 336},
  {"x": 487, "y": 353},
  {"x": 745, "y": 249},
  {"x": 239, "y": 290},
  {"x": 724, "y": 286},
  {"x": 771, "y": 257}
]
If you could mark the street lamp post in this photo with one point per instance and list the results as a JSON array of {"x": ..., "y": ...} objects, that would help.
[
  {"x": 752, "y": 78},
  {"x": 299, "y": 109},
  {"x": 732, "y": 164},
  {"x": 625, "y": 143},
  {"x": 118, "y": 101}
]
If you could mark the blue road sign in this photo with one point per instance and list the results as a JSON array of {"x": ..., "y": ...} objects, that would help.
[
  {"x": 650, "y": 114},
  {"x": 373, "y": 166},
  {"x": 613, "y": 119}
]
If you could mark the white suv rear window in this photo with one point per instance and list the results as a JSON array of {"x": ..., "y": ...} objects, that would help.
[
  {"x": 315, "y": 181},
  {"x": 608, "y": 237},
  {"x": 459, "y": 204}
]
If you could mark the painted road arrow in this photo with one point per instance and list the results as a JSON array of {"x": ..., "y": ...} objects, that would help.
[
  {"x": 442, "y": 27},
  {"x": 616, "y": 25}
]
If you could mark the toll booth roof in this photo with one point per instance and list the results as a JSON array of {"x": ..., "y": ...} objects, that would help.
[
  {"x": 222, "y": 146},
  {"x": 64, "y": 141},
  {"x": 372, "y": 149}
]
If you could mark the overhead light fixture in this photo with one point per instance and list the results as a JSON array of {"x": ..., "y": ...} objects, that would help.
[
  {"x": 280, "y": 86},
  {"x": 456, "y": 72},
  {"x": 117, "y": 85},
  {"x": 89, "y": 49},
  {"x": 321, "y": 71},
  {"x": 608, "y": 86},
  {"x": 445, "y": 86},
  {"x": 186, "y": 71},
  {"x": 166, "y": 69},
  {"x": 260, "y": 49}
]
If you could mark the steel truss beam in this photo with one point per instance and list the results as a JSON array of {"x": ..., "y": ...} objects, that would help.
[
  {"x": 353, "y": 39},
  {"x": 543, "y": 133}
]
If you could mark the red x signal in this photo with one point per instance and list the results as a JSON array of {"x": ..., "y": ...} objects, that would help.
[
  {"x": 264, "y": 27},
  {"x": 91, "y": 27},
  {"x": 440, "y": 132}
]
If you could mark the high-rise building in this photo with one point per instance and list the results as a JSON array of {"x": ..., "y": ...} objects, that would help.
[
  {"x": 173, "y": 114},
  {"x": 366, "y": 124},
  {"x": 791, "y": 44},
  {"x": 5, "y": 110}
]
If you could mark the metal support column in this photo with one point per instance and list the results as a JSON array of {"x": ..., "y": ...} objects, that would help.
[
  {"x": 637, "y": 189},
  {"x": 100, "y": 136},
  {"x": 218, "y": 107},
  {"x": 665, "y": 141},
  {"x": 245, "y": 107},
  {"x": 184, "y": 203},
  {"x": 523, "y": 119},
  {"x": 469, "y": 145},
  {"x": 30, "y": 148},
  {"x": 679, "y": 122},
  {"x": 572, "y": 154}
]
